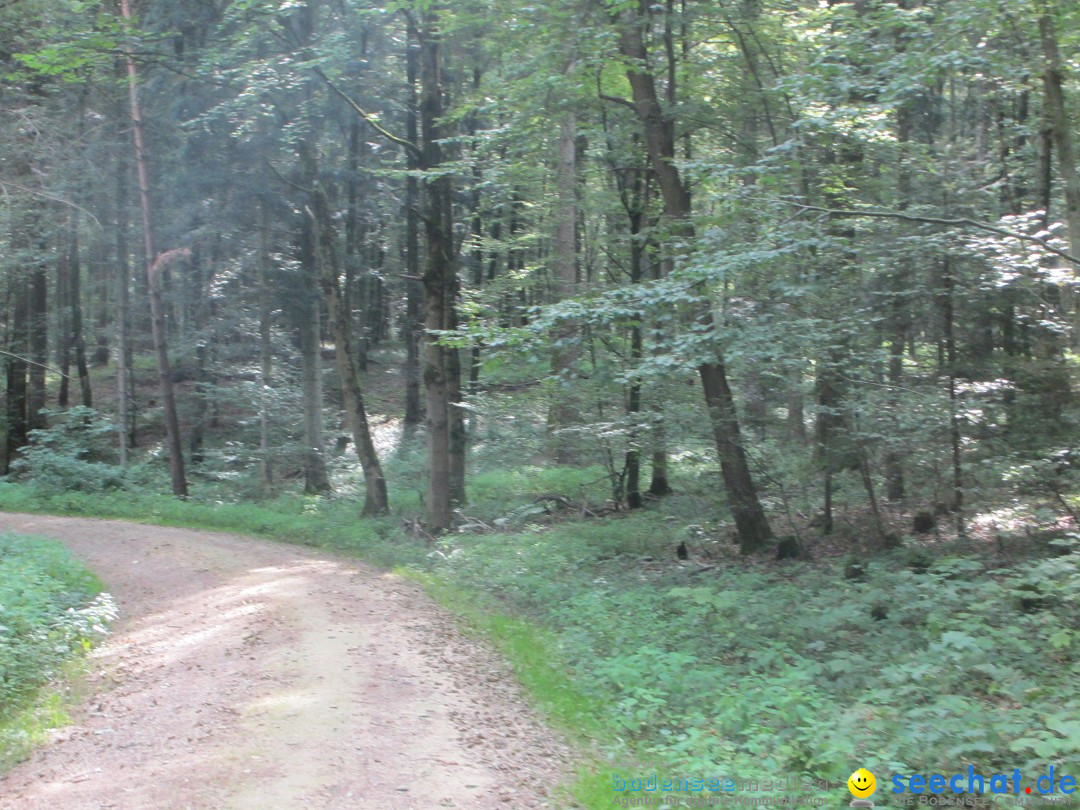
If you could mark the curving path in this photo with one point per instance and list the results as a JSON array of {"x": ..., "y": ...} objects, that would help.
[{"x": 250, "y": 674}]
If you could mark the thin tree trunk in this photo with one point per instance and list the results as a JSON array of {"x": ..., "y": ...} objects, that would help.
[
  {"x": 18, "y": 344},
  {"x": 1061, "y": 130},
  {"x": 476, "y": 253},
  {"x": 564, "y": 412},
  {"x": 78, "y": 340},
  {"x": 266, "y": 356},
  {"x": 633, "y": 401},
  {"x": 796, "y": 407},
  {"x": 894, "y": 471},
  {"x": 123, "y": 361},
  {"x": 659, "y": 480},
  {"x": 894, "y": 468},
  {"x": 123, "y": 309},
  {"x": 101, "y": 328},
  {"x": 948, "y": 282},
  {"x": 1062, "y": 133},
  {"x": 63, "y": 318},
  {"x": 39, "y": 341},
  {"x": 414, "y": 288},
  {"x": 357, "y": 281},
  {"x": 155, "y": 267},
  {"x": 199, "y": 288}
]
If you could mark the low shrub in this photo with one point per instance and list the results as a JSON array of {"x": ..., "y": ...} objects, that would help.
[
  {"x": 73, "y": 454},
  {"x": 51, "y": 609}
]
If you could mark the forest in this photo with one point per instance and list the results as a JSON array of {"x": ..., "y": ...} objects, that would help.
[{"x": 718, "y": 360}]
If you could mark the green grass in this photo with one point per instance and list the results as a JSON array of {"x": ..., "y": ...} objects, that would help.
[{"x": 25, "y": 727}]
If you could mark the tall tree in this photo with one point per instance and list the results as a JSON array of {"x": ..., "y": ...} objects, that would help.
[
  {"x": 658, "y": 125},
  {"x": 564, "y": 412},
  {"x": 156, "y": 267},
  {"x": 442, "y": 368}
]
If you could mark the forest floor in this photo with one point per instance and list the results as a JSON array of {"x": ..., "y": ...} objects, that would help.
[{"x": 250, "y": 674}]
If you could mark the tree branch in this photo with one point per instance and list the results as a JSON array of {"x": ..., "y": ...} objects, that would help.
[
  {"x": 33, "y": 192},
  {"x": 614, "y": 99},
  {"x": 952, "y": 222},
  {"x": 31, "y": 362},
  {"x": 285, "y": 179},
  {"x": 408, "y": 145}
]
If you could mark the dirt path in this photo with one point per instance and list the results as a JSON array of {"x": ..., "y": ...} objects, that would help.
[{"x": 250, "y": 674}]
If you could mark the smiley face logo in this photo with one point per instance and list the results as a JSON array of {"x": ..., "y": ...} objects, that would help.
[{"x": 862, "y": 783}]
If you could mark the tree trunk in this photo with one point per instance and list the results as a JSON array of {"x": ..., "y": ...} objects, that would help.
[
  {"x": 78, "y": 339},
  {"x": 1061, "y": 130},
  {"x": 123, "y": 309},
  {"x": 564, "y": 411},
  {"x": 200, "y": 315},
  {"x": 161, "y": 350},
  {"x": 155, "y": 268},
  {"x": 39, "y": 340},
  {"x": 414, "y": 288},
  {"x": 750, "y": 521},
  {"x": 442, "y": 370},
  {"x": 633, "y": 400},
  {"x": 316, "y": 480},
  {"x": 659, "y": 481},
  {"x": 898, "y": 313},
  {"x": 375, "y": 500},
  {"x": 63, "y": 318},
  {"x": 18, "y": 345},
  {"x": 948, "y": 282},
  {"x": 266, "y": 355}
]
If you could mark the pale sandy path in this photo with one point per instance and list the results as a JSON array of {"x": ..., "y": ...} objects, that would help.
[{"x": 251, "y": 674}]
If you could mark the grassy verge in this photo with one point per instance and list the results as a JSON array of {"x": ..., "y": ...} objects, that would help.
[
  {"x": 545, "y": 678},
  {"x": 51, "y": 609},
  {"x": 929, "y": 663},
  {"x": 27, "y": 725}
]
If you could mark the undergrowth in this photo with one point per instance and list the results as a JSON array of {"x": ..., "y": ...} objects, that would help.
[
  {"x": 51, "y": 610},
  {"x": 929, "y": 663}
]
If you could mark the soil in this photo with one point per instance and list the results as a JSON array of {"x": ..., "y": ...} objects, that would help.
[{"x": 249, "y": 674}]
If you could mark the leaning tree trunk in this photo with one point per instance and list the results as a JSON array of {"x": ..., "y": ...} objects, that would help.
[
  {"x": 750, "y": 521},
  {"x": 352, "y": 394}
]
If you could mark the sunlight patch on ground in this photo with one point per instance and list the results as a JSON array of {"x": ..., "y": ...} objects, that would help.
[{"x": 280, "y": 703}]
